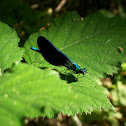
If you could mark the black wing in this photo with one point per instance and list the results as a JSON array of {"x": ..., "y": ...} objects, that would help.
[{"x": 51, "y": 53}]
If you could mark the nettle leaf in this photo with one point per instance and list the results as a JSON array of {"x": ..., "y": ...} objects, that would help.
[
  {"x": 96, "y": 43},
  {"x": 9, "y": 50},
  {"x": 28, "y": 91}
]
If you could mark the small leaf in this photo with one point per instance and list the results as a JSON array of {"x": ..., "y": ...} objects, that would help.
[{"x": 9, "y": 50}]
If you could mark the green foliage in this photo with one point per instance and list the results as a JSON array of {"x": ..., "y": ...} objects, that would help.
[
  {"x": 116, "y": 91},
  {"x": 92, "y": 42},
  {"x": 31, "y": 92},
  {"x": 9, "y": 50},
  {"x": 96, "y": 43}
]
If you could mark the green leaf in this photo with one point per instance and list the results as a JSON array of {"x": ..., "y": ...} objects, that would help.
[
  {"x": 9, "y": 50},
  {"x": 27, "y": 91},
  {"x": 96, "y": 43},
  {"x": 93, "y": 42}
]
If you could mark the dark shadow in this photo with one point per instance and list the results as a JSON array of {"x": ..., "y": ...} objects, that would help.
[
  {"x": 68, "y": 77},
  {"x": 42, "y": 109}
]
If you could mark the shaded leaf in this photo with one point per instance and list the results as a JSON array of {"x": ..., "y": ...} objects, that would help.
[{"x": 9, "y": 50}]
